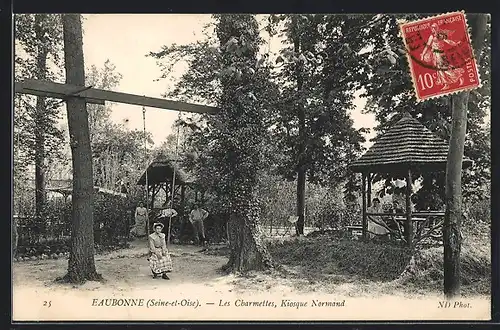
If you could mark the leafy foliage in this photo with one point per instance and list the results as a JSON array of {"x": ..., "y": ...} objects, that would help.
[
  {"x": 118, "y": 153},
  {"x": 103, "y": 78},
  {"x": 324, "y": 61},
  {"x": 225, "y": 71},
  {"x": 320, "y": 73},
  {"x": 112, "y": 215},
  {"x": 330, "y": 141},
  {"x": 38, "y": 37},
  {"x": 118, "y": 156}
]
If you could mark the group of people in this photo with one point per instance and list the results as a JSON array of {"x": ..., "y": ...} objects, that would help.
[
  {"x": 159, "y": 257},
  {"x": 376, "y": 225}
]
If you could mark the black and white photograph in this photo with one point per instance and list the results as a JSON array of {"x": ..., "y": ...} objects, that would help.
[{"x": 251, "y": 167}]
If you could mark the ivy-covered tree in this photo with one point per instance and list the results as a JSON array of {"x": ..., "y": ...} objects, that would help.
[
  {"x": 226, "y": 70},
  {"x": 238, "y": 136}
]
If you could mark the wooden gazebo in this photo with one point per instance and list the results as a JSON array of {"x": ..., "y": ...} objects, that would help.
[
  {"x": 405, "y": 148},
  {"x": 160, "y": 174}
]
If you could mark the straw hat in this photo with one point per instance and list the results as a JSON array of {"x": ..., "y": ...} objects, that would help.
[{"x": 156, "y": 224}]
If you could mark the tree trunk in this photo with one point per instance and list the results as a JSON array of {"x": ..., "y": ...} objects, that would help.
[
  {"x": 248, "y": 250},
  {"x": 301, "y": 169},
  {"x": 452, "y": 238},
  {"x": 40, "y": 113},
  {"x": 39, "y": 158},
  {"x": 301, "y": 201},
  {"x": 81, "y": 265}
]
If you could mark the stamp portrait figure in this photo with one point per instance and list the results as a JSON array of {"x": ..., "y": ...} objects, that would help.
[{"x": 434, "y": 53}]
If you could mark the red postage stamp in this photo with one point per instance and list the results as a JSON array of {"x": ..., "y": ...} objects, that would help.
[{"x": 440, "y": 55}]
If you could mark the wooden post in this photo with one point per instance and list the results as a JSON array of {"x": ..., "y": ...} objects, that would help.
[
  {"x": 369, "y": 190},
  {"x": 150, "y": 205},
  {"x": 154, "y": 191},
  {"x": 176, "y": 190},
  {"x": 271, "y": 227},
  {"x": 167, "y": 193},
  {"x": 409, "y": 223},
  {"x": 183, "y": 197},
  {"x": 363, "y": 195}
]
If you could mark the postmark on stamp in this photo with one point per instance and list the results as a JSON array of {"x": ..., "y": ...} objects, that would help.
[{"x": 440, "y": 55}]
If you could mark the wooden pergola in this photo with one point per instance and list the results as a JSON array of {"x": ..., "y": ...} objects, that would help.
[
  {"x": 159, "y": 177},
  {"x": 100, "y": 96},
  {"x": 67, "y": 191},
  {"x": 92, "y": 95},
  {"x": 405, "y": 148}
]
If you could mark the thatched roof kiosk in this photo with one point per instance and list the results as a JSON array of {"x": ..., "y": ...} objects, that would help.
[{"x": 405, "y": 147}]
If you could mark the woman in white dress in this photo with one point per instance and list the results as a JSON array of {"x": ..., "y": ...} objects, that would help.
[
  {"x": 166, "y": 215},
  {"x": 141, "y": 216},
  {"x": 376, "y": 226}
]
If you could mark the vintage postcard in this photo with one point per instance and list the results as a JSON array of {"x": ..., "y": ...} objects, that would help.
[
  {"x": 243, "y": 167},
  {"x": 440, "y": 55}
]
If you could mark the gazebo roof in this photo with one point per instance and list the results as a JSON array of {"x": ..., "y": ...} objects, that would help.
[
  {"x": 406, "y": 144},
  {"x": 161, "y": 170}
]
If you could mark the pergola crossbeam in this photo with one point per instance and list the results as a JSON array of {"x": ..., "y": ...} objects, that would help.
[
  {"x": 99, "y": 96},
  {"x": 27, "y": 88}
]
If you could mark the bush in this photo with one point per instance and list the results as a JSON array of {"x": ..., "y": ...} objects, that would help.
[
  {"x": 113, "y": 216},
  {"x": 324, "y": 206},
  {"x": 50, "y": 247},
  {"x": 479, "y": 211},
  {"x": 277, "y": 197},
  {"x": 50, "y": 233}
]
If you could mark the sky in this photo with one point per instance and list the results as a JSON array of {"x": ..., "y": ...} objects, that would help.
[{"x": 125, "y": 39}]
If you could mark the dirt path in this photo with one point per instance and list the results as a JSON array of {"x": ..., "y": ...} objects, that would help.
[
  {"x": 124, "y": 270},
  {"x": 196, "y": 280}
]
